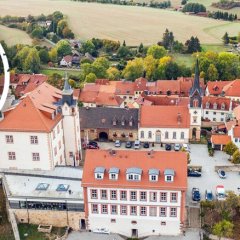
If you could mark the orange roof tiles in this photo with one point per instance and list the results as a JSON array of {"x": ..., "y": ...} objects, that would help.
[
  {"x": 232, "y": 89},
  {"x": 236, "y": 132},
  {"x": 164, "y": 116},
  {"x": 220, "y": 139},
  {"x": 216, "y": 88},
  {"x": 108, "y": 99},
  {"x": 34, "y": 112},
  {"x": 211, "y": 100},
  {"x": 124, "y": 159}
]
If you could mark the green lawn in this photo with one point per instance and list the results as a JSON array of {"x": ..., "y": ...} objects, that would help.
[
  {"x": 215, "y": 47},
  {"x": 186, "y": 59},
  {"x": 62, "y": 72},
  {"x": 33, "y": 233}
]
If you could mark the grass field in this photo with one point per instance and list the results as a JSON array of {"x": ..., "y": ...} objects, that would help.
[
  {"x": 14, "y": 36},
  {"x": 186, "y": 59},
  {"x": 133, "y": 24},
  {"x": 61, "y": 72}
]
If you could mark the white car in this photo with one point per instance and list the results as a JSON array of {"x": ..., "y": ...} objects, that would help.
[
  {"x": 101, "y": 230},
  {"x": 186, "y": 147},
  {"x": 177, "y": 147},
  {"x": 221, "y": 173}
]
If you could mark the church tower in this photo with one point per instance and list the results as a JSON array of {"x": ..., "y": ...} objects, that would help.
[
  {"x": 71, "y": 125},
  {"x": 195, "y": 106}
]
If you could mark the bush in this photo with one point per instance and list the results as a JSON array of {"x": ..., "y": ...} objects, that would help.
[{"x": 210, "y": 151}]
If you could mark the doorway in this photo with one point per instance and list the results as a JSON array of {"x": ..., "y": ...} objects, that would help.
[
  {"x": 134, "y": 233},
  {"x": 82, "y": 224},
  {"x": 158, "y": 136},
  {"x": 103, "y": 136}
]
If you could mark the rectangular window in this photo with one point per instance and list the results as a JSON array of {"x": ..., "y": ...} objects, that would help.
[
  {"x": 35, "y": 157},
  {"x": 34, "y": 139},
  {"x": 222, "y": 113},
  {"x": 142, "y": 134},
  {"x": 173, "y": 212},
  {"x": 54, "y": 135},
  {"x": 182, "y": 135},
  {"x": 143, "y": 211},
  {"x": 103, "y": 194},
  {"x": 55, "y": 151},
  {"x": 153, "y": 196},
  {"x": 163, "y": 197},
  {"x": 133, "y": 210},
  {"x": 222, "y": 120},
  {"x": 174, "y": 135},
  {"x": 206, "y": 112},
  {"x": 93, "y": 193},
  {"x": 123, "y": 195},
  {"x": 143, "y": 196},
  {"x": 214, "y": 119},
  {"x": 162, "y": 212},
  {"x": 133, "y": 195},
  {"x": 214, "y": 113},
  {"x": 59, "y": 145},
  {"x": 153, "y": 211},
  {"x": 58, "y": 130},
  {"x": 11, "y": 156},
  {"x": 94, "y": 208},
  {"x": 173, "y": 197},
  {"x": 113, "y": 176},
  {"x": 113, "y": 194},
  {"x": 123, "y": 210},
  {"x": 9, "y": 139},
  {"x": 113, "y": 209},
  {"x": 153, "y": 178},
  {"x": 169, "y": 178},
  {"x": 104, "y": 209}
]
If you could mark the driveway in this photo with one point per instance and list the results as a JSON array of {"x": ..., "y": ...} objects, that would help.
[
  {"x": 92, "y": 236},
  {"x": 210, "y": 178}
]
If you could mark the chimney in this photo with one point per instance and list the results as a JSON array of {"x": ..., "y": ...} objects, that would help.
[{"x": 179, "y": 118}]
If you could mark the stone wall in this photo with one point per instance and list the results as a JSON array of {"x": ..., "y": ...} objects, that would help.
[{"x": 45, "y": 217}]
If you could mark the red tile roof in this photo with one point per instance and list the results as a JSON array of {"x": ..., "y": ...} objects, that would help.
[
  {"x": 236, "y": 132},
  {"x": 220, "y": 101},
  {"x": 165, "y": 116},
  {"x": 220, "y": 139},
  {"x": 232, "y": 89},
  {"x": 124, "y": 159},
  {"x": 216, "y": 88}
]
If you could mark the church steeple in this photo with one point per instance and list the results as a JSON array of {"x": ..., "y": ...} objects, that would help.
[
  {"x": 67, "y": 93},
  {"x": 196, "y": 90}
]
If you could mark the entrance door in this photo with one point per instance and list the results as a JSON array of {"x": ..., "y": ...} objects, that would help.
[
  {"x": 134, "y": 233},
  {"x": 103, "y": 136},
  {"x": 82, "y": 224},
  {"x": 158, "y": 136}
]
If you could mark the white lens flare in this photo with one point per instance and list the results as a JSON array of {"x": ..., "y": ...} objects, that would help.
[{"x": 6, "y": 77}]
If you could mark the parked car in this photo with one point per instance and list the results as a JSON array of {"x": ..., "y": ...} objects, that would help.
[
  {"x": 196, "y": 196},
  {"x": 101, "y": 230},
  {"x": 177, "y": 147},
  {"x": 92, "y": 145},
  {"x": 195, "y": 173},
  {"x": 221, "y": 173},
  {"x": 146, "y": 144},
  {"x": 117, "y": 143},
  {"x": 137, "y": 144},
  {"x": 168, "y": 147},
  {"x": 208, "y": 195},
  {"x": 186, "y": 147},
  {"x": 220, "y": 192},
  {"x": 128, "y": 144}
]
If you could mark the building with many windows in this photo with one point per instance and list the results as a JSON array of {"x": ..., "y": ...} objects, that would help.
[
  {"x": 42, "y": 131},
  {"x": 135, "y": 193}
]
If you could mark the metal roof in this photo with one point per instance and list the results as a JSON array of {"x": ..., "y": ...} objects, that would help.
[
  {"x": 114, "y": 170},
  {"x": 134, "y": 170},
  {"x": 153, "y": 171},
  {"x": 169, "y": 171},
  {"x": 99, "y": 170}
]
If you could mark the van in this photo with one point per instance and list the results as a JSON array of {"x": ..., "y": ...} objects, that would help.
[
  {"x": 220, "y": 192},
  {"x": 137, "y": 144}
]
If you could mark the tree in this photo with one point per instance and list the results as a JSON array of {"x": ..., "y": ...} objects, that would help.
[
  {"x": 88, "y": 47},
  {"x": 157, "y": 51},
  {"x": 193, "y": 45},
  {"x": 140, "y": 48},
  {"x": 90, "y": 78},
  {"x": 103, "y": 62},
  {"x": 134, "y": 69},
  {"x": 32, "y": 62},
  {"x": 44, "y": 56},
  {"x": 212, "y": 73},
  {"x": 168, "y": 39},
  {"x": 53, "y": 55},
  {"x": 37, "y": 33},
  {"x": 113, "y": 73},
  {"x": 123, "y": 52},
  {"x": 225, "y": 38},
  {"x": 236, "y": 157},
  {"x": 223, "y": 228},
  {"x": 63, "y": 48},
  {"x": 56, "y": 80},
  {"x": 150, "y": 65},
  {"x": 60, "y": 26},
  {"x": 124, "y": 43},
  {"x": 67, "y": 33},
  {"x": 230, "y": 148}
]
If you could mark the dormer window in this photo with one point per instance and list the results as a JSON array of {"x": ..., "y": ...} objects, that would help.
[
  {"x": 113, "y": 173},
  {"x": 223, "y": 106},
  {"x": 134, "y": 174},
  {"x": 207, "y": 105},
  {"x": 99, "y": 172},
  {"x": 114, "y": 121},
  {"x": 131, "y": 121},
  {"x": 169, "y": 175},
  {"x": 153, "y": 175},
  {"x": 215, "y": 106},
  {"x": 123, "y": 121}
]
